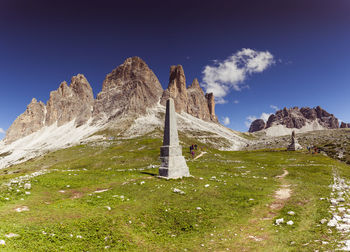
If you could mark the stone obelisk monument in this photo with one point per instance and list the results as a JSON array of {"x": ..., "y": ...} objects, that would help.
[
  {"x": 173, "y": 163},
  {"x": 294, "y": 145}
]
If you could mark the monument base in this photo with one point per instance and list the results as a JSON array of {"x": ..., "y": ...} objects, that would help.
[
  {"x": 294, "y": 147},
  {"x": 174, "y": 165}
]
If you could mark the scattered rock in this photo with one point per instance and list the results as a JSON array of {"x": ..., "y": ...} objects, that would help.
[{"x": 22, "y": 209}]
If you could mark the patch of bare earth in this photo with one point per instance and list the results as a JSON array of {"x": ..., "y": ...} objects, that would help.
[
  {"x": 280, "y": 197},
  {"x": 282, "y": 194}
]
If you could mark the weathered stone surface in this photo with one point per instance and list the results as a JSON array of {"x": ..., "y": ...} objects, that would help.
[
  {"x": 257, "y": 125},
  {"x": 131, "y": 88},
  {"x": 30, "y": 121},
  {"x": 67, "y": 103},
  {"x": 70, "y": 102},
  {"x": 211, "y": 105},
  {"x": 197, "y": 103},
  {"x": 191, "y": 100},
  {"x": 173, "y": 163},
  {"x": 176, "y": 89}
]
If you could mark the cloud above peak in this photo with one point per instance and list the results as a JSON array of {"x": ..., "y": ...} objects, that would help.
[
  {"x": 2, "y": 131},
  {"x": 231, "y": 73}
]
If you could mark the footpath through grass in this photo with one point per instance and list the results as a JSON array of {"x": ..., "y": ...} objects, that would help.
[{"x": 106, "y": 195}]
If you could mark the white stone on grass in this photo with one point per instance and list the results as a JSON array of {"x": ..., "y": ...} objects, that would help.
[
  {"x": 178, "y": 191},
  {"x": 291, "y": 213},
  {"x": 207, "y": 185},
  {"x": 279, "y": 221},
  {"x": 332, "y": 223},
  {"x": 2, "y": 242},
  {"x": 101, "y": 191},
  {"x": 22, "y": 209},
  {"x": 290, "y": 222},
  {"x": 10, "y": 235},
  {"x": 108, "y": 208}
]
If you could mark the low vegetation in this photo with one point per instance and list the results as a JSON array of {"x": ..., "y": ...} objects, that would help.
[{"x": 106, "y": 195}]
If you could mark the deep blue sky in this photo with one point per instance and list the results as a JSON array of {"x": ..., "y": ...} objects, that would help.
[{"x": 43, "y": 43}]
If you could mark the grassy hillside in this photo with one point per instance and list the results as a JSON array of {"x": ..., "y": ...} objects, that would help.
[{"x": 106, "y": 195}]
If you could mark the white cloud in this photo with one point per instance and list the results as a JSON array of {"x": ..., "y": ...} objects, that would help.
[
  {"x": 274, "y": 107},
  {"x": 220, "y": 100},
  {"x": 231, "y": 73},
  {"x": 2, "y": 131},
  {"x": 236, "y": 101},
  {"x": 226, "y": 120},
  {"x": 265, "y": 116}
]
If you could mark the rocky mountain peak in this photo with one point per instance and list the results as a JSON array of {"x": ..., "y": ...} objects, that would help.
[
  {"x": 192, "y": 99},
  {"x": 70, "y": 102},
  {"x": 195, "y": 86},
  {"x": 30, "y": 121},
  {"x": 176, "y": 89},
  {"x": 131, "y": 88},
  {"x": 257, "y": 125}
]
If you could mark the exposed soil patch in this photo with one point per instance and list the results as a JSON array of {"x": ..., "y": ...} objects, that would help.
[
  {"x": 76, "y": 195},
  {"x": 282, "y": 194}
]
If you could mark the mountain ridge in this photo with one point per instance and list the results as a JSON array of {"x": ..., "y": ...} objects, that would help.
[
  {"x": 303, "y": 119},
  {"x": 128, "y": 90}
]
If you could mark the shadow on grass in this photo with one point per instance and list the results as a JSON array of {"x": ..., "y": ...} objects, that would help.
[{"x": 150, "y": 173}]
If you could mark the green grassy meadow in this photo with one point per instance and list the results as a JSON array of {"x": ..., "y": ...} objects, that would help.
[{"x": 106, "y": 196}]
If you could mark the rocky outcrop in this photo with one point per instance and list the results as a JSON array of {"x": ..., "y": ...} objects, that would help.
[
  {"x": 295, "y": 118},
  {"x": 70, "y": 102},
  {"x": 257, "y": 125},
  {"x": 344, "y": 125},
  {"x": 192, "y": 99},
  {"x": 176, "y": 89},
  {"x": 30, "y": 121},
  {"x": 67, "y": 103},
  {"x": 197, "y": 104},
  {"x": 211, "y": 105},
  {"x": 131, "y": 88}
]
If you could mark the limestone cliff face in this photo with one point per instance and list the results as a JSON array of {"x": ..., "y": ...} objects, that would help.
[
  {"x": 197, "y": 104},
  {"x": 128, "y": 90},
  {"x": 30, "y": 121},
  {"x": 67, "y": 103},
  {"x": 176, "y": 89},
  {"x": 70, "y": 102},
  {"x": 257, "y": 125},
  {"x": 190, "y": 100},
  {"x": 211, "y": 105},
  {"x": 131, "y": 88}
]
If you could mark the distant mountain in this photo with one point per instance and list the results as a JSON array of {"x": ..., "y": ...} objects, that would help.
[{"x": 301, "y": 120}]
